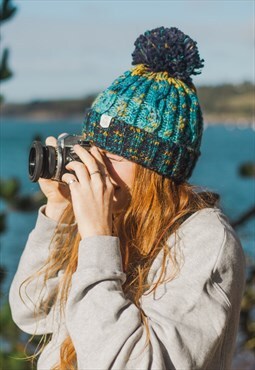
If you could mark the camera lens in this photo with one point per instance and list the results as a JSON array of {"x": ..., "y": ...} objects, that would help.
[{"x": 42, "y": 161}]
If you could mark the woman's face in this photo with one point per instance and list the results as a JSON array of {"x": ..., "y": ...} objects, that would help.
[{"x": 121, "y": 173}]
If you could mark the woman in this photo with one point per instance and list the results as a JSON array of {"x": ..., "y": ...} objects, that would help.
[{"x": 129, "y": 266}]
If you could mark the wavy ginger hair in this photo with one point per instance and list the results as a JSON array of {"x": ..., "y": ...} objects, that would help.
[{"x": 156, "y": 209}]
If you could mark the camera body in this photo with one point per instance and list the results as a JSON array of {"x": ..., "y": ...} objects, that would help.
[{"x": 49, "y": 162}]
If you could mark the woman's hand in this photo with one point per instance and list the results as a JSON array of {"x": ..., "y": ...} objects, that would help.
[
  {"x": 92, "y": 196},
  {"x": 57, "y": 194}
]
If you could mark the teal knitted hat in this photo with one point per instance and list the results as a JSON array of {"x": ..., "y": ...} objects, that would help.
[{"x": 151, "y": 114}]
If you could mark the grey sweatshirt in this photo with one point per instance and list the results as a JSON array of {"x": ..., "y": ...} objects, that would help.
[{"x": 193, "y": 319}]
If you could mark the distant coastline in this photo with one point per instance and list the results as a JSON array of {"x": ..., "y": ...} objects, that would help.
[
  {"x": 45, "y": 116},
  {"x": 221, "y": 104}
]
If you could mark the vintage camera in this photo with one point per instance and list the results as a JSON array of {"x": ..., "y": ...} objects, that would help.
[{"x": 49, "y": 162}]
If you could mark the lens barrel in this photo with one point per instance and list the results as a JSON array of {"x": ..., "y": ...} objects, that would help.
[{"x": 42, "y": 161}]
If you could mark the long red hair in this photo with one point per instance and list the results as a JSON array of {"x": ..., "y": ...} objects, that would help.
[{"x": 156, "y": 209}]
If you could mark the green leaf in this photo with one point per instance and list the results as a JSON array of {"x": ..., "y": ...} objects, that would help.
[
  {"x": 7, "y": 10},
  {"x": 9, "y": 188},
  {"x": 5, "y": 72},
  {"x": 2, "y": 222}
]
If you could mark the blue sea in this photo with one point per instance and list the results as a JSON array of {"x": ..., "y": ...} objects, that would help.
[{"x": 223, "y": 149}]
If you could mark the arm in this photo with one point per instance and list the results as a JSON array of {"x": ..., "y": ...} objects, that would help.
[
  {"x": 187, "y": 317},
  {"x": 34, "y": 256}
]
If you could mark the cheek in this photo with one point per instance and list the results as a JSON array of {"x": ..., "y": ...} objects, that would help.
[{"x": 125, "y": 173}]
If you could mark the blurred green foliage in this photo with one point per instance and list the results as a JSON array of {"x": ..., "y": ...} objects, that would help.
[
  {"x": 7, "y": 11},
  {"x": 10, "y": 193},
  {"x": 12, "y": 339},
  {"x": 2, "y": 222},
  {"x": 5, "y": 71},
  {"x": 247, "y": 169},
  {"x": 9, "y": 188}
]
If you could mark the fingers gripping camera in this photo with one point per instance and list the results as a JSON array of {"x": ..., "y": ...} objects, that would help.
[{"x": 49, "y": 162}]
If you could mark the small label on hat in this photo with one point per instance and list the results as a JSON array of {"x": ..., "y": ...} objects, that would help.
[{"x": 105, "y": 120}]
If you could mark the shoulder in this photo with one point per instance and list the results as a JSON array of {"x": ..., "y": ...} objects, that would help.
[
  {"x": 210, "y": 229},
  {"x": 211, "y": 249}
]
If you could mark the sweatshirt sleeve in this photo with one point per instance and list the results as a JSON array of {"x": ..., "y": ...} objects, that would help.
[
  {"x": 24, "y": 297},
  {"x": 187, "y": 317}
]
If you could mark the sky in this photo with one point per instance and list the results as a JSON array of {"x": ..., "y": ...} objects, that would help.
[{"x": 73, "y": 48}]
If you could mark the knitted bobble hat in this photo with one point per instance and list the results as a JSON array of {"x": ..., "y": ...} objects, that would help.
[{"x": 151, "y": 114}]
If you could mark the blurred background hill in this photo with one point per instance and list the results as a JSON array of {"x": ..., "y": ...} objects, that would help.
[{"x": 225, "y": 103}]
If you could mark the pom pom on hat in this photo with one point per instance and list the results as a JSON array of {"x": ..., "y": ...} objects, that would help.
[{"x": 168, "y": 50}]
